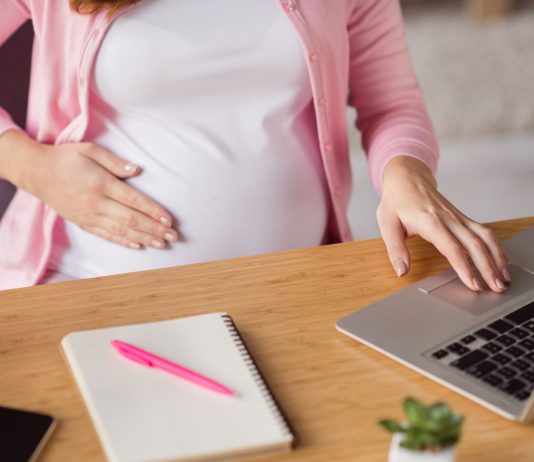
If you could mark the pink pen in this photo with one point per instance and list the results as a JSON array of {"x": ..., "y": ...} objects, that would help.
[{"x": 151, "y": 360}]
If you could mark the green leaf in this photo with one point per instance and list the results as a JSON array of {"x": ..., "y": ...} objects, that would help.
[
  {"x": 434, "y": 426},
  {"x": 456, "y": 420},
  {"x": 439, "y": 411},
  {"x": 427, "y": 439},
  {"x": 415, "y": 411},
  {"x": 410, "y": 444},
  {"x": 392, "y": 425}
]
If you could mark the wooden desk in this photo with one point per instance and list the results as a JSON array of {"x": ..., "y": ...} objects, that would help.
[{"x": 332, "y": 388}]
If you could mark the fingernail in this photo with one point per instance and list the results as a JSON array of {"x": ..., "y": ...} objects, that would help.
[
  {"x": 171, "y": 237},
  {"x": 401, "y": 268},
  {"x": 130, "y": 168},
  {"x": 477, "y": 285},
  {"x": 506, "y": 275},
  {"x": 499, "y": 284},
  {"x": 165, "y": 221},
  {"x": 158, "y": 244},
  {"x": 134, "y": 245}
]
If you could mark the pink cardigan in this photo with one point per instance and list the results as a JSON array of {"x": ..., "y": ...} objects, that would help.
[{"x": 356, "y": 53}]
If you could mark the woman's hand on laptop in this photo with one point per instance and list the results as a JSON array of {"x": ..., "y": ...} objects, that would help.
[{"x": 411, "y": 205}]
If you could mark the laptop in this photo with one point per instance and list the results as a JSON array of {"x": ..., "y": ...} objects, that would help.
[{"x": 478, "y": 344}]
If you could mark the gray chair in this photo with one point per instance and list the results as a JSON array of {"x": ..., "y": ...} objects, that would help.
[{"x": 15, "y": 59}]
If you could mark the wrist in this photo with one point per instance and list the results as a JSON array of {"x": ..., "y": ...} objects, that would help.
[
  {"x": 406, "y": 169},
  {"x": 19, "y": 158}
]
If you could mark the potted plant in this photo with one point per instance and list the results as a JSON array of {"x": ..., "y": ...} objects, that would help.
[{"x": 430, "y": 435}]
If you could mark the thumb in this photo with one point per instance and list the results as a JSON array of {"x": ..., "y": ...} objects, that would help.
[
  {"x": 394, "y": 237},
  {"x": 114, "y": 164}
]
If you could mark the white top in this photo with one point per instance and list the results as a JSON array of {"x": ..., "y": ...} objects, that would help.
[{"x": 213, "y": 100}]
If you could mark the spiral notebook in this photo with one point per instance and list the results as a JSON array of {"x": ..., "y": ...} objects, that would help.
[{"x": 144, "y": 414}]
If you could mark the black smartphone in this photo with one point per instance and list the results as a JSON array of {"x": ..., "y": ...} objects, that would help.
[{"x": 23, "y": 434}]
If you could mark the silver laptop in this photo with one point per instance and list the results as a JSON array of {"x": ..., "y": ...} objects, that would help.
[{"x": 479, "y": 344}]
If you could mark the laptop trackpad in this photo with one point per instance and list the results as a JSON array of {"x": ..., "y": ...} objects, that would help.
[{"x": 479, "y": 303}]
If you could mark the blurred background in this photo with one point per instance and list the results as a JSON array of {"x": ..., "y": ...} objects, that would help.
[{"x": 475, "y": 62}]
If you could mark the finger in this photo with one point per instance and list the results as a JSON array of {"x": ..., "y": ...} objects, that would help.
[
  {"x": 434, "y": 231},
  {"x": 115, "y": 228},
  {"x": 494, "y": 246},
  {"x": 479, "y": 253},
  {"x": 130, "y": 197},
  {"x": 114, "y": 164},
  {"x": 394, "y": 237},
  {"x": 136, "y": 221},
  {"x": 105, "y": 234}
]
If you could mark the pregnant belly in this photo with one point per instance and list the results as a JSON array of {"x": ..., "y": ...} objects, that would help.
[{"x": 223, "y": 206}]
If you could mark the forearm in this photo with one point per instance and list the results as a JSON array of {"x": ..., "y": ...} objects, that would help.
[
  {"x": 401, "y": 168},
  {"x": 384, "y": 90},
  {"x": 19, "y": 158}
]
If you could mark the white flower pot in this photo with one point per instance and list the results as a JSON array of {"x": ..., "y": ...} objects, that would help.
[{"x": 399, "y": 454}]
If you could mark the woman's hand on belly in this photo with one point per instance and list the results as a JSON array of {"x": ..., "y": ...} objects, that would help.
[
  {"x": 82, "y": 182},
  {"x": 411, "y": 204}
]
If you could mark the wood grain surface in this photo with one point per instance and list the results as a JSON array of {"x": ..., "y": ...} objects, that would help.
[{"x": 332, "y": 388}]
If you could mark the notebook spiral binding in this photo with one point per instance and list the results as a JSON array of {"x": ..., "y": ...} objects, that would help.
[{"x": 258, "y": 377}]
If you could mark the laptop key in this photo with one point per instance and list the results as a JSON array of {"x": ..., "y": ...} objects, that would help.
[
  {"x": 458, "y": 348},
  {"x": 501, "y": 359},
  {"x": 528, "y": 376},
  {"x": 468, "y": 339},
  {"x": 519, "y": 333},
  {"x": 514, "y": 352},
  {"x": 505, "y": 340},
  {"x": 529, "y": 325},
  {"x": 485, "y": 334},
  {"x": 500, "y": 326},
  {"x": 469, "y": 359},
  {"x": 527, "y": 343},
  {"x": 482, "y": 368},
  {"x": 463, "y": 351},
  {"x": 522, "y": 395},
  {"x": 522, "y": 314},
  {"x": 513, "y": 386},
  {"x": 440, "y": 354},
  {"x": 492, "y": 347},
  {"x": 493, "y": 380},
  {"x": 521, "y": 365},
  {"x": 507, "y": 372}
]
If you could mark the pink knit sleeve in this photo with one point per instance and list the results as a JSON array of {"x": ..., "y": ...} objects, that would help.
[
  {"x": 391, "y": 113},
  {"x": 14, "y": 14}
]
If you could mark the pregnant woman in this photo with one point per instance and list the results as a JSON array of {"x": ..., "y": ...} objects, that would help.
[{"x": 167, "y": 132}]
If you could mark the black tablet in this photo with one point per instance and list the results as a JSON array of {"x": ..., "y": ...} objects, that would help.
[{"x": 23, "y": 434}]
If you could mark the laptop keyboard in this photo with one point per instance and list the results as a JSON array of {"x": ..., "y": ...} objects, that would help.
[{"x": 500, "y": 353}]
